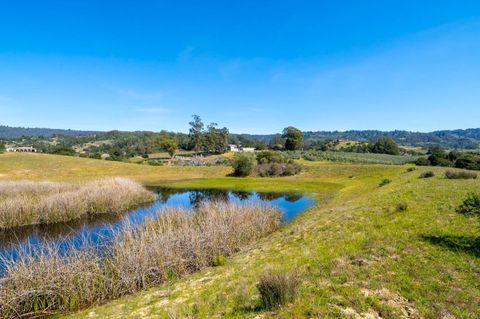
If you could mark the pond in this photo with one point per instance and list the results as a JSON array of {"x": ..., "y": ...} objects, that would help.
[{"x": 98, "y": 230}]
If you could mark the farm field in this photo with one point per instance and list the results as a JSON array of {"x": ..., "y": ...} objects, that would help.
[{"x": 356, "y": 254}]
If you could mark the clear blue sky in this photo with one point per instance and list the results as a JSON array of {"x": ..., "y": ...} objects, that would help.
[{"x": 254, "y": 66}]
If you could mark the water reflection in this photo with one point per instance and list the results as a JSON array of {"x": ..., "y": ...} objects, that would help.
[{"x": 99, "y": 229}]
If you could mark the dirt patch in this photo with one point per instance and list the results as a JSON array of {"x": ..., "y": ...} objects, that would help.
[
  {"x": 353, "y": 314},
  {"x": 404, "y": 308}
]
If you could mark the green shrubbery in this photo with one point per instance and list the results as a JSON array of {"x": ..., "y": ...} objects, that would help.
[
  {"x": 270, "y": 163},
  {"x": 470, "y": 206},
  {"x": 384, "y": 145},
  {"x": 439, "y": 157},
  {"x": 243, "y": 164}
]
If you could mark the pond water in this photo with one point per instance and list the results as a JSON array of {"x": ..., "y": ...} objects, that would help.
[{"x": 99, "y": 229}]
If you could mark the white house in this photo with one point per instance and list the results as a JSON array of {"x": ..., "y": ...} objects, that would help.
[{"x": 236, "y": 148}]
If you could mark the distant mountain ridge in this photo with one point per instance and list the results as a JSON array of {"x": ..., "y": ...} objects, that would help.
[
  {"x": 461, "y": 138},
  {"x": 9, "y": 132}
]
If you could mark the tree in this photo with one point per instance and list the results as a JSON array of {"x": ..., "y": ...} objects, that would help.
[
  {"x": 294, "y": 138},
  {"x": 277, "y": 142},
  {"x": 196, "y": 133},
  {"x": 2, "y": 147},
  {"x": 438, "y": 157},
  {"x": 216, "y": 140},
  {"x": 169, "y": 145},
  {"x": 384, "y": 145}
]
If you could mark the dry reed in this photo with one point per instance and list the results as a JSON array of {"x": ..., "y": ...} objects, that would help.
[
  {"x": 29, "y": 203},
  {"x": 174, "y": 243}
]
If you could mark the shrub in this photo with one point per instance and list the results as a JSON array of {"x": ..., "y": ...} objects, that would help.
[
  {"x": 277, "y": 288},
  {"x": 411, "y": 169},
  {"x": 243, "y": 164},
  {"x": 468, "y": 162},
  {"x": 460, "y": 175},
  {"x": 384, "y": 182},
  {"x": 470, "y": 206},
  {"x": 422, "y": 161},
  {"x": 219, "y": 260},
  {"x": 401, "y": 207},
  {"x": 278, "y": 169},
  {"x": 270, "y": 157},
  {"x": 427, "y": 174}
]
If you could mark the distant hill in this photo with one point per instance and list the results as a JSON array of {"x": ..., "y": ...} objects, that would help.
[
  {"x": 8, "y": 132},
  {"x": 461, "y": 139}
]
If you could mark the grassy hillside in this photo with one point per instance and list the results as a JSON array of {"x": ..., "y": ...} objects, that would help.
[
  {"x": 15, "y": 166},
  {"x": 357, "y": 256}
]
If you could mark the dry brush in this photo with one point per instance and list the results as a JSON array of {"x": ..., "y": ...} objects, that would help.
[{"x": 175, "y": 243}]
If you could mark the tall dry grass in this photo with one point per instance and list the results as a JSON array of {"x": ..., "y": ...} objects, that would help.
[
  {"x": 174, "y": 243},
  {"x": 29, "y": 203}
]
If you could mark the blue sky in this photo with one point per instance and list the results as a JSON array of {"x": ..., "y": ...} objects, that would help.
[{"x": 253, "y": 66}]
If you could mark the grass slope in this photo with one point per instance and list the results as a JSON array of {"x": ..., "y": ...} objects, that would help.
[{"x": 356, "y": 254}]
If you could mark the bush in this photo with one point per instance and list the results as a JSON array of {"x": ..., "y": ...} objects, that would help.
[
  {"x": 278, "y": 169},
  {"x": 427, "y": 174},
  {"x": 411, "y": 169},
  {"x": 401, "y": 207},
  {"x": 277, "y": 288},
  {"x": 422, "y": 161},
  {"x": 270, "y": 157},
  {"x": 219, "y": 260},
  {"x": 460, "y": 175},
  {"x": 384, "y": 145},
  {"x": 470, "y": 206},
  {"x": 243, "y": 164},
  {"x": 384, "y": 182}
]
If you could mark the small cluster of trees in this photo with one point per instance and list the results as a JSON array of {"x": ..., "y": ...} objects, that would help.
[
  {"x": 210, "y": 140},
  {"x": 439, "y": 157}
]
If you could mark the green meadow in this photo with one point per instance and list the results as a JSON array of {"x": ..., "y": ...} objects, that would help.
[{"x": 356, "y": 254}]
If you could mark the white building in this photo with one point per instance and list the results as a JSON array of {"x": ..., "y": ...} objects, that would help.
[
  {"x": 23, "y": 149},
  {"x": 236, "y": 148}
]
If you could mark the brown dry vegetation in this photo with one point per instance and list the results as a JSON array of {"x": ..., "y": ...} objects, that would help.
[
  {"x": 28, "y": 203},
  {"x": 174, "y": 243}
]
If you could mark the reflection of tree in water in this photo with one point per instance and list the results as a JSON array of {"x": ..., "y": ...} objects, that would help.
[
  {"x": 269, "y": 196},
  {"x": 293, "y": 197},
  {"x": 196, "y": 197},
  {"x": 164, "y": 193},
  {"x": 241, "y": 195}
]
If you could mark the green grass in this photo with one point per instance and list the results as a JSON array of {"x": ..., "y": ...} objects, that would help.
[{"x": 354, "y": 252}]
